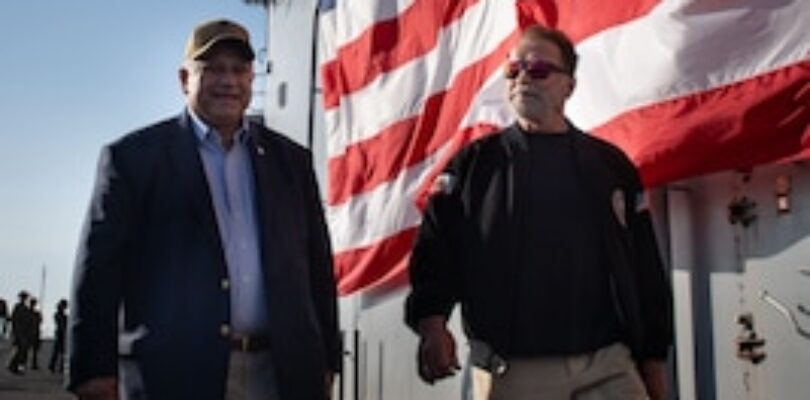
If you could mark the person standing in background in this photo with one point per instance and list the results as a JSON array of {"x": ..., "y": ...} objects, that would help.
[
  {"x": 21, "y": 328},
  {"x": 35, "y": 332},
  {"x": 4, "y": 321},
  {"x": 57, "y": 360}
]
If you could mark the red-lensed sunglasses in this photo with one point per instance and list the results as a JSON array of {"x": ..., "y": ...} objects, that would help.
[{"x": 537, "y": 69}]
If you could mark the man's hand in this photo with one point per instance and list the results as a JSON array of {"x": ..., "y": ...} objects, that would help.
[
  {"x": 98, "y": 389},
  {"x": 654, "y": 374},
  {"x": 437, "y": 350}
]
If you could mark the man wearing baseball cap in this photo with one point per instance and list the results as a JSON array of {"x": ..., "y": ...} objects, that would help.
[{"x": 204, "y": 268}]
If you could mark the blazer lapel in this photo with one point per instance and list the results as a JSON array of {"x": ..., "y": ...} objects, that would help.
[
  {"x": 273, "y": 199},
  {"x": 191, "y": 177}
]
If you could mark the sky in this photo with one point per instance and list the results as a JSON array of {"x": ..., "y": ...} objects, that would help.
[{"x": 74, "y": 76}]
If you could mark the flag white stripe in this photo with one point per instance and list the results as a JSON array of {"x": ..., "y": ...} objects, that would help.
[
  {"x": 489, "y": 105},
  {"x": 684, "y": 47},
  {"x": 370, "y": 217},
  {"x": 356, "y": 16},
  {"x": 327, "y": 37},
  {"x": 362, "y": 114}
]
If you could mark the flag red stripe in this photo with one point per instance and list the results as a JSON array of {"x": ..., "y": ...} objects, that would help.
[
  {"x": 387, "y": 45},
  {"x": 580, "y": 19},
  {"x": 757, "y": 120},
  {"x": 367, "y": 163},
  {"x": 357, "y": 268}
]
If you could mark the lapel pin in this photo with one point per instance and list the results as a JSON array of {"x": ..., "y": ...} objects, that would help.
[{"x": 260, "y": 150}]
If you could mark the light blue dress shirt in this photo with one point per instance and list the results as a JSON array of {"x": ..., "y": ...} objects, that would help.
[{"x": 231, "y": 184}]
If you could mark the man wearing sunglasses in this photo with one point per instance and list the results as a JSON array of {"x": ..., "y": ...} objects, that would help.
[{"x": 542, "y": 234}]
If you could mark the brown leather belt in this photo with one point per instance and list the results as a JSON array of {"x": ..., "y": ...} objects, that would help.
[{"x": 249, "y": 344}]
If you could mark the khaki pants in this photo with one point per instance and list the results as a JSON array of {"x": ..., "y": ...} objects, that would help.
[
  {"x": 608, "y": 373},
  {"x": 251, "y": 376}
]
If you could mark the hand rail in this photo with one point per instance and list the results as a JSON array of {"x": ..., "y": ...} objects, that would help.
[
  {"x": 765, "y": 296},
  {"x": 802, "y": 308}
]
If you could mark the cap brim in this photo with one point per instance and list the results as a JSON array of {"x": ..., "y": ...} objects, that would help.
[{"x": 232, "y": 42}]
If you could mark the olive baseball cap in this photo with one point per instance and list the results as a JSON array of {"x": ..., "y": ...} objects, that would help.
[{"x": 220, "y": 31}]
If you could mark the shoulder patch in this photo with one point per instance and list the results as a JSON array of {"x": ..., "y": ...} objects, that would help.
[{"x": 444, "y": 183}]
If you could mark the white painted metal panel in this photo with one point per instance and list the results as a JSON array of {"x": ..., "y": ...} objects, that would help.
[
  {"x": 289, "y": 89},
  {"x": 731, "y": 265}
]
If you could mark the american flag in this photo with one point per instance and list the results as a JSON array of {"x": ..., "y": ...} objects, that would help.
[{"x": 684, "y": 87}]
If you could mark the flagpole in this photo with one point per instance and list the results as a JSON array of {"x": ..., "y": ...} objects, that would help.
[{"x": 42, "y": 286}]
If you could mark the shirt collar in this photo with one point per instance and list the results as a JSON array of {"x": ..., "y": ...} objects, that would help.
[
  {"x": 571, "y": 129},
  {"x": 204, "y": 132}
]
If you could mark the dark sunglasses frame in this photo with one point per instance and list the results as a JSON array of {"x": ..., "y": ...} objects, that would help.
[{"x": 537, "y": 69}]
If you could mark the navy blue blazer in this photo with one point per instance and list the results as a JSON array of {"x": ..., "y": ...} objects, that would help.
[{"x": 149, "y": 289}]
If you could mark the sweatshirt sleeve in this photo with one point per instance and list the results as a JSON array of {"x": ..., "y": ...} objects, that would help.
[{"x": 433, "y": 267}]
